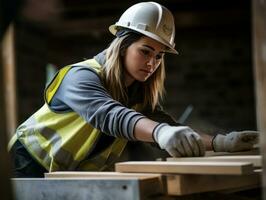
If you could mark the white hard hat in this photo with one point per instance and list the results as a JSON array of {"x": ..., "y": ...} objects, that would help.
[{"x": 150, "y": 19}]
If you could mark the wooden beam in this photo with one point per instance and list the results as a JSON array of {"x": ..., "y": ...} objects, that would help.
[
  {"x": 256, "y": 160},
  {"x": 214, "y": 168},
  {"x": 259, "y": 47},
  {"x": 82, "y": 174},
  {"x": 254, "y": 151},
  {"x": 98, "y": 25},
  {"x": 189, "y": 184},
  {"x": 8, "y": 61},
  {"x": 6, "y": 191}
]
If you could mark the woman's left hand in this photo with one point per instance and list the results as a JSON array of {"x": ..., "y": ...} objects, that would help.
[{"x": 235, "y": 141}]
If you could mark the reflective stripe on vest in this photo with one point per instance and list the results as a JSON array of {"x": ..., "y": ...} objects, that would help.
[{"x": 62, "y": 141}]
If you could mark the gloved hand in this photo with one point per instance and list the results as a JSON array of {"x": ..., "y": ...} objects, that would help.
[
  {"x": 235, "y": 141},
  {"x": 179, "y": 141}
]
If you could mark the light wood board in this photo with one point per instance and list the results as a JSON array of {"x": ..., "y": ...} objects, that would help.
[
  {"x": 254, "y": 151},
  {"x": 189, "y": 184},
  {"x": 216, "y": 168},
  {"x": 100, "y": 175},
  {"x": 256, "y": 160}
]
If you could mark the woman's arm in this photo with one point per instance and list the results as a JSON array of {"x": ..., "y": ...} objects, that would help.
[
  {"x": 159, "y": 115},
  {"x": 144, "y": 128},
  {"x": 207, "y": 140},
  {"x": 82, "y": 91}
]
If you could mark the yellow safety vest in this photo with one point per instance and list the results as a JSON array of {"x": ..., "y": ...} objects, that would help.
[{"x": 62, "y": 141}]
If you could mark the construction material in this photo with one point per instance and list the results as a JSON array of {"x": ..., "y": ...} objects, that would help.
[
  {"x": 84, "y": 189},
  {"x": 5, "y": 109},
  {"x": 189, "y": 184},
  {"x": 256, "y": 160},
  {"x": 215, "y": 168},
  {"x": 259, "y": 58},
  {"x": 147, "y": 181},
  {"x": 9, "y": 76},
  {"x": 254, "y": 151},
  {"x": 100, "y": 175}
]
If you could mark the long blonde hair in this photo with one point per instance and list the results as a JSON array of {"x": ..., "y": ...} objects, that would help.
[{"x": 113, "y": 72}]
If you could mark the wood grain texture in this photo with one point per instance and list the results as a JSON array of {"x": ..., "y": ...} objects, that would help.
[
  {"x": 9, "y": 68},
  {"x": 216, "y": 168},
  {"x": 5, "y": 167},
  {"x": 259, "y": 58},
  {"x": 100, "y": 175},
  {"x": 256, "y": 160},
  {"x": 254, "y": 151},
  {"x": 189, "y": 184}
]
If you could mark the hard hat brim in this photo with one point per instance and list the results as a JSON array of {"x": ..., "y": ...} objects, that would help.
[{"x": 113, "y": 29}]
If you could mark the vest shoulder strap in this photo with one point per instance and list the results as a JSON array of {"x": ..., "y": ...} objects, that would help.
[{"x": 58, "y": 78}]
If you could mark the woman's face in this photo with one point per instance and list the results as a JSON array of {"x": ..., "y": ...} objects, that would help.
[{"x": 141, "y": 59}]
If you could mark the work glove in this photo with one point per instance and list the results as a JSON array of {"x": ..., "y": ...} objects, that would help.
[
  {"x": 235, "y": 141},
  {"x": 179, "y": 141}
]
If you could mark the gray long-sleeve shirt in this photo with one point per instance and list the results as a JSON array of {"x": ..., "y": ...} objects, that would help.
[{"x": 83, "y": 92}]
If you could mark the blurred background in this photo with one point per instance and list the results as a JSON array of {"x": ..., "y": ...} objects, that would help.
[
  {"x": 212, "y": 76},
  {"x": 209, "y": 84}
]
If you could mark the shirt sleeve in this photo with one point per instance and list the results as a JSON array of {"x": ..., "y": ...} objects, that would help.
[{"x": 82, "y": 91}]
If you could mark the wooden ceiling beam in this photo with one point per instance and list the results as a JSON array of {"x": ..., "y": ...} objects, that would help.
[{"x": 96, "y": 26}]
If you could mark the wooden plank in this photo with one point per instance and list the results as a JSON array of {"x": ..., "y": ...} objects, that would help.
[
  {"x": 189, "y": 184},
  {"x": 5, "y": 185},
  {"x": 256, "y": 160},
  {"x": 254, "y": 151},
  {"x": 216, "y": 168},
  {"x": 111, "y": 175},
  {"x": 259, "y": 53}
]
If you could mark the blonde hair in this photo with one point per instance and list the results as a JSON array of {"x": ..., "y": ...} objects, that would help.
[{"x": 113, "y": 71}]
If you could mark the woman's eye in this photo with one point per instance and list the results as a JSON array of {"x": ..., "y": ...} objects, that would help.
[
  {"x": 145, "y": 52},
  {"x": 158, "y": 57}
]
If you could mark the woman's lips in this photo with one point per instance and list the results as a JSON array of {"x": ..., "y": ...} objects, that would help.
[{"x": 145, "y": 71}]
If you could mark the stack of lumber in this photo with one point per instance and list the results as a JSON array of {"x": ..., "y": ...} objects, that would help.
[
  {"x": 202, "y": 174},
  {"x": 182, "y": 176}
]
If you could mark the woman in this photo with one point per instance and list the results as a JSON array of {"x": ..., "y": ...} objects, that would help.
[{"x": 93, "y": 108}]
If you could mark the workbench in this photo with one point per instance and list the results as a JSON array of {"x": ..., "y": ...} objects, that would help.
[{"x": 176, "y": 178}]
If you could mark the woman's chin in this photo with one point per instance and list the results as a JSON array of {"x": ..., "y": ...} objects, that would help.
[{"x": 142, "y": 79}]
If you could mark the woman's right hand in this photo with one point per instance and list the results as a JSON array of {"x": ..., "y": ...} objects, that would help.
[{"x": 179, "y": 141}]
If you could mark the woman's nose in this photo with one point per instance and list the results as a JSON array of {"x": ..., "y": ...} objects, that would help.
[{"x": 151, "y": 63}]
